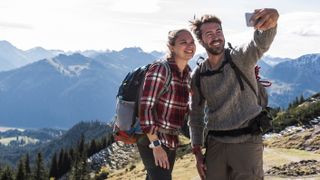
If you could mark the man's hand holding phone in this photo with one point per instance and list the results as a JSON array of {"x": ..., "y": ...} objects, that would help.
[{"x": 262, "y": 19}]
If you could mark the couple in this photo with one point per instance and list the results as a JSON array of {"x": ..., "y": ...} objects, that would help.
[{"x": 224, "y": 106}]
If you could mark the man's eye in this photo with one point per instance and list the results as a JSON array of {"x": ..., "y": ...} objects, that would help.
[{"x": 209, "y": 34}]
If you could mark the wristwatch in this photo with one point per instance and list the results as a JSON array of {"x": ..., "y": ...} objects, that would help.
[{"x": 155, "y": 143}]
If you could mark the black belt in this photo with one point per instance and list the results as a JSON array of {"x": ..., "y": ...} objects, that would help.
[{"x": 252, "y": 129}]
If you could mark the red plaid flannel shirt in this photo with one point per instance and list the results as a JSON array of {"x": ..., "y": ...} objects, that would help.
[{"x": 171, "y": 108}]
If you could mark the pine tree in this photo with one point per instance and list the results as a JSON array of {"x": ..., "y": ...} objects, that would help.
[
  {"x": 21, "y": 174},
  {"x": 81, "y": 145},
  {"x": 301, "y": 99},
  {"x": 27, "y": 167},
  {"x": 79, "y": 167},
  {"x": 71, "y": 154},
  {"x": 93, "y": 148},
  {"x": 66, "y": 166},
  {"x": 60, "y": 163},
  {"x": 7, "y": 174},
  {"x": 79, "y": 170},
  {"x": 40, "y": 171},
  {"x": 75, "y": 170},
  {"x": 296, "y": 102},
  {"x": 54, "y": 167}
]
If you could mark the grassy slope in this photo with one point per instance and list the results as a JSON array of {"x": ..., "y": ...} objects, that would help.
[{"x": 185, "y": 166}]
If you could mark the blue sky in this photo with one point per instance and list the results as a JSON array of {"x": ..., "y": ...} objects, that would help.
[{"x": 115, "y": 24}]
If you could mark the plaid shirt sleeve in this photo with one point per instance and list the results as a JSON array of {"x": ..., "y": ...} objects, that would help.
[{"x": 154, "y": 82}]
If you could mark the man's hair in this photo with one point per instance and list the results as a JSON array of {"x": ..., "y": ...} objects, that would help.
[{"x": 197, "y": 23}]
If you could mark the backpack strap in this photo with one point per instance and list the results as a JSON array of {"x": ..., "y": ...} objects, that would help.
[
  {"x": 239, "y": 73},
  {"x": 168, "y": 79},
  {"x": 198, "y": 83},
  {"x": 197, "y": 76}
]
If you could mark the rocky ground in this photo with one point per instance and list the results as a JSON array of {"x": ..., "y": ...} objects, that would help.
[
  {"x": 302, "y": 137},
  {"x": 291, "y": 154},
  {"x": 296, "y": 169},
  {"x": 117, "y": 156}
]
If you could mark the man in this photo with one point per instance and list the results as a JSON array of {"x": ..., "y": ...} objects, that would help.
[{"x": 220, "y": 107}]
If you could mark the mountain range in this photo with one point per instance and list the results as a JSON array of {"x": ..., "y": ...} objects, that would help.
[{"x": 58, "y": 91}]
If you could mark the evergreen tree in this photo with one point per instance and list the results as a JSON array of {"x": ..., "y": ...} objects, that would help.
[
  {"x": 79, "y": 170},
  {"x": 7, "y": 174},
  {"x": 66, "y": 166},
  {"x": 301, "y": 100},
  {"x": 27, "y": 167},
  {"x": 40, "y": 171},
  {"x": 93, "y": 148},
  {"x": 71, "y": 154},
  {"x": 296, "y": 102},
  {"x": 81, "y": 145},
  {"x": 21, "y": 174},
  {"x": 54, "y": 167},
  {"x": 60, "y": 163},
  {"x": 79, "y": 167},
  {"x": 104, "y": 143},
  {"x": 75, "y": 171}
]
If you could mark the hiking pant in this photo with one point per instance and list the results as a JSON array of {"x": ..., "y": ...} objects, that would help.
[
  {"x": 233, "y": 161},
  {"x": 155, "y": 172}
]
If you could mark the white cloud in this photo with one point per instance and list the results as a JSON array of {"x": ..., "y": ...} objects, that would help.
[
  {"x": 115, "y": 24},
  {"x": 135, "y": 6},
  {"x": 301, "y": 23},
  {"x": 15, "y": 25}
]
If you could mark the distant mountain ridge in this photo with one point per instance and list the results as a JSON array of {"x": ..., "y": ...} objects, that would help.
[
  {"x": 12, "y": 57},
  {"x": 63, "y": 90},
  {"x": 294, "y": 78}
]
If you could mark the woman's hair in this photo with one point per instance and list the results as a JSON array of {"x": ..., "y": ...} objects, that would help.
[
  {"x": 197, "y": 23},
  {"x": 172, "y": 37}
]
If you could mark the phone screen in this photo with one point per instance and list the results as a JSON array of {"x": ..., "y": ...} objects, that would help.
[{"x": 248, "y": 17}]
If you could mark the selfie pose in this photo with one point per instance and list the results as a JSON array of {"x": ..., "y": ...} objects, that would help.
[
  {"x": 163, "y": 114},
  {"x": 224, "y": 105}
]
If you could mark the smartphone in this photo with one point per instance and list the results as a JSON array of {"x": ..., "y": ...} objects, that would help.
[{"x": 248, "y": 17}]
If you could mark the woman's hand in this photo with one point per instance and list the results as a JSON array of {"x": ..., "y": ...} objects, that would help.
[{"x": 161, "y": 157}]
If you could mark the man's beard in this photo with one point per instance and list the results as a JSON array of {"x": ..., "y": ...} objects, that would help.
[{"x": 216, "y": 50}]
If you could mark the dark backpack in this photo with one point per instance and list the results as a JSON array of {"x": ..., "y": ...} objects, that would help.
[
  {"x": 126, "y": 124},
  {"x": 264, "y": 123}
]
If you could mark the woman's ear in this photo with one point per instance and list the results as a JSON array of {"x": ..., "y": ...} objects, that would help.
[{"x": 170, "y": 48}]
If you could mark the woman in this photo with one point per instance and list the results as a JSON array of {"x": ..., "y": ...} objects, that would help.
[{"x": 162, "y": 117}]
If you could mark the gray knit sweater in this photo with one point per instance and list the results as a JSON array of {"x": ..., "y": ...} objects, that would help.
[{"x": 226, "y": 107}]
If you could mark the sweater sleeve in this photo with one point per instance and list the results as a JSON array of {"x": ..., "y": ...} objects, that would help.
[
  {"x": 255, "y": 49},
  {"x": 196, "y": 121},
  {"x": 154, "y": 82}
]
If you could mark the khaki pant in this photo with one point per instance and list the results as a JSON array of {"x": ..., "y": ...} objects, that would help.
[{"x": 233, "y": 161}]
